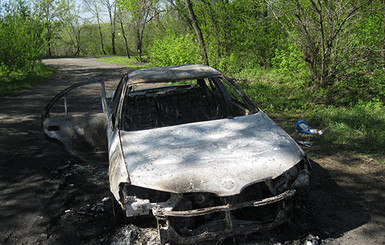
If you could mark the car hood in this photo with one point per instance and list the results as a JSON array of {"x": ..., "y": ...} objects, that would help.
[{"x": 220, "y": 156}]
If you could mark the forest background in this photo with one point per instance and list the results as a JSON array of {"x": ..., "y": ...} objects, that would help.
[{"x": 319, "y": 60}]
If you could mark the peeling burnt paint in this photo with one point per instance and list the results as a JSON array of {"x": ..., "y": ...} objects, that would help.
[{"x": 220, "y": 156}]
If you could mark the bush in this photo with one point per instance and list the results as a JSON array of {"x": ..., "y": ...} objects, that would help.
[
  {"x": 11, "y": 81},
  {"x": 289, "y": 62},
  {"x": 21, "y": 46},
  {"x": 175, "y": 49},
  {"x": 20, "y": 43}
]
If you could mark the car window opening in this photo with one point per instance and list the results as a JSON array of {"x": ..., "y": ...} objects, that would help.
[{"x": 205, "y": 100}]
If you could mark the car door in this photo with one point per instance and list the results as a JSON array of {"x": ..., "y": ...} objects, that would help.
[{"x": 77, "y": 117}]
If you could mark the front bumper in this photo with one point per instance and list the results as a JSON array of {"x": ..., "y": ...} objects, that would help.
[{"x": 222, "y": 227}]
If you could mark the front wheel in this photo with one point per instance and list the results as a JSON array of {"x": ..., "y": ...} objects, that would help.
[{"x": 118, "y": 213}]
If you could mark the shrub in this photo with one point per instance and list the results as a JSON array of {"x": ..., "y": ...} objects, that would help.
[
  {"x": 289, "y": 62},
  {"x": 20, "y": 43},
  {"x": 175, "y": 49}
]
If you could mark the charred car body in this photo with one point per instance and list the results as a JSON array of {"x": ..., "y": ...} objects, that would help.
[{"x": 187, "y": 146}]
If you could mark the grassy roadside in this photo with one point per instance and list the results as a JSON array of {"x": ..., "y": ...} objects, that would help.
[
  {"x": 121, "y": 60},
  {"x": 12, "y": 82},
  {"x": 356, "y": 130},
  {"x": 352, "y": 129}
]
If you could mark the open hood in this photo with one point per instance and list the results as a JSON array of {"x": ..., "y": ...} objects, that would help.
[{"x": 220, "y": 156}]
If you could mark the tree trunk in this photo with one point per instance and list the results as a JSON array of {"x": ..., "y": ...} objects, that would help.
[
  {"x": 139, "y": 41},
  {"x": 125, "y": 38},
  {"x": 49, "y": 42},
  {"x": 113, "y": 43},
  {"x": 101, "y": 37},
  {"x": 198, "y": 32},
  {"x": 227, "y": 40},
  {"x": 78, "y": 43},
  {"x": 112, "y": 14},
  {"x": 49, "y": 49},
  {"x": 219, "y": 41}
]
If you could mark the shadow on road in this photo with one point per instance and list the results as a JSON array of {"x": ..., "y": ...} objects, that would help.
[{"x": 47, "y": 196}]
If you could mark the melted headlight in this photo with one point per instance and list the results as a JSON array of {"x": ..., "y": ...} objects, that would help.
[
  {"x": 302, "y": 179},
  {"x": 284, "y": 181},
  {"x": 297, "y": 176}
]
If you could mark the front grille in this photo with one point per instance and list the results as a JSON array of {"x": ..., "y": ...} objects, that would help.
[
  {"x": 186, "y": 226},
  {"x": 262, "y": 214}
]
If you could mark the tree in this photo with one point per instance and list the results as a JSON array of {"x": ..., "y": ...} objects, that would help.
[
  {"x": 256, "y": 34},
  {"x": 50, "y": 12},
  {"x": 198, "y": 32},
  {"x": 383, "y": 38},
  {"x": 111, "y": 10},
  {"x": 93, "y": 7},
  {"x": 121, "y": 22},
  {"x": 216, "y": 16},
  {"x": 369, "y": 41},
  {"x": 322, "y": 30},
  {"x": 238, "y": 32},
  {"x": 142, "y": 12},
  {"x": 73, "y": 24}
]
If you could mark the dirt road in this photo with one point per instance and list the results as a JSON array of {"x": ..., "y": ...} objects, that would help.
[{"x": 49, "y": 197}]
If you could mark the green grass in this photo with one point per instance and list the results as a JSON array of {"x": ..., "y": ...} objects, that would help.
[
  {"x": 353, "y": 128},
  {"x": 359, "y": 128},
  {"x": 11, "y": 82},
  {"x": 263, "y": 86},
  {"x": 122, "y": 60}
]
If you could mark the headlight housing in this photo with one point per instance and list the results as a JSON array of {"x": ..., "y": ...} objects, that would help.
[{"x": 295, "y": 177}]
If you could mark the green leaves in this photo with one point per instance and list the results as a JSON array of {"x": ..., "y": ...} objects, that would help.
[
  {"x": 137, "y": 7},
  {"x": 175, "y": 49},
  {"x": 20, "y": 39},
  {"x": 21, "y": 46},
  {"x": 289, "y": 62}
]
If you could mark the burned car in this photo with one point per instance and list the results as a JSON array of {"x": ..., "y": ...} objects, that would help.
[{"x": 189, "y": 147}]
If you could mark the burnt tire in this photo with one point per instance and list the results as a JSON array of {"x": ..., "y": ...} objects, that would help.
[{"x": 119, "y": 215}]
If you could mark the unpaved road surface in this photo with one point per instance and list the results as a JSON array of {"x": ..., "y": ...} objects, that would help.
[{"x": 49, "y": 197}]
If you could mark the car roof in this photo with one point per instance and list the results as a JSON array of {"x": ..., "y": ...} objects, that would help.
[{"x": 172, "y": 73}]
